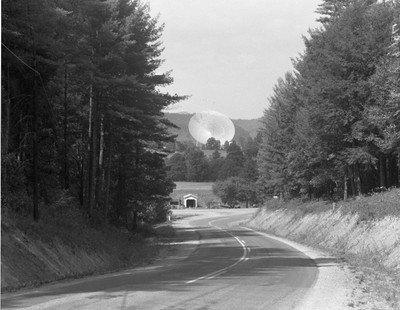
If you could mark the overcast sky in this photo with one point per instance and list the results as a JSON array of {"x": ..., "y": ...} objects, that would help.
[{"x": 228, "y": 54}]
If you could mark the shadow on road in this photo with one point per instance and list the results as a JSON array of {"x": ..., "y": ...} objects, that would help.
[{"x": 217, "y": 250}]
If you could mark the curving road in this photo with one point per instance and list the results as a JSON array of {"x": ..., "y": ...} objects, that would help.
[{"x": 217, "y": 265}]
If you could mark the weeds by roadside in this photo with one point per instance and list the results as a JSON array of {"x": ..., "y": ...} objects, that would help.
[
  {"x": 375, "y": 280},
  {"x": 375, "y": 206}
]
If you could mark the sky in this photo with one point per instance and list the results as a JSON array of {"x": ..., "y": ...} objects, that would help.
[{"x": 227, "y": 55}]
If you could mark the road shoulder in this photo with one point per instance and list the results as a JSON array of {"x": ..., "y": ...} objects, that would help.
[{"x": 335, "y": 286}]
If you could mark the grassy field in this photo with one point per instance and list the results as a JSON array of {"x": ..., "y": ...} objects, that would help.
[{"x": 202, "y": 190}]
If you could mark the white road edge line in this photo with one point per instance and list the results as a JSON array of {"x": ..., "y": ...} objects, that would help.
[{"x": 221, "y": 271}]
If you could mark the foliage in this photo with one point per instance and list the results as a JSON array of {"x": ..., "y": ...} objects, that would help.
[
  {"x": 213, "y": 144},
  {"x": 197, "y": 165},
  {"x": 234, "y": 190},
  {"x": 177, "y": 167},
  {"x": 331, "y": 129},
  {"x": 193, "y": 165},
  {"x": 82, "y": 108}
]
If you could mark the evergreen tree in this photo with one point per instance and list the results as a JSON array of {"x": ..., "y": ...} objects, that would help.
[
  {"x": 278, "y": 137},
  {"x": 335, "y": 68},
  {"x": 331, "y": 10},
  {"x": 177, "y": 167},
  {"x": 213, "y": 144},
  {"x": 233, "y": 162},
  {"x": 81, "y": 79},
  {"x": 197, "y": 165},
  {"x": 29, "y": 56}
]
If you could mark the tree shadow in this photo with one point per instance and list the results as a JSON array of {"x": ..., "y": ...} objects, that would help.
[{"x": 217, "y": 251}]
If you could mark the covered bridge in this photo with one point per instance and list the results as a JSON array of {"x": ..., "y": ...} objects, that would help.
[{"x": 190, "y": 201}]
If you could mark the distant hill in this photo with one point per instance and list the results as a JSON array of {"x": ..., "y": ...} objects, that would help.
[
  {"x": 243, "y": 128},
  {"x": 250, "y": 125}
]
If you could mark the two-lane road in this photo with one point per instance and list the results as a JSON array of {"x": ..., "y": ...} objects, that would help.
[{"x": 228, "y": 267}]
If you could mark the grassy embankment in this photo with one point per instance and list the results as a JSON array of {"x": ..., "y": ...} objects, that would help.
[
  {"x": 364, "y": 232},
  {"x": 64, "y": 246}
]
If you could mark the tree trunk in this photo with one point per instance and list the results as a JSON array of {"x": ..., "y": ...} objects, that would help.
[
  {"x": 382, "y": 171},
  {"x": 357, "y": 179},
  {"x": 100, "y": 192},
  {"x": 398, "y": 169},
  {"x": 393, "y": 169},
  {"x": 101, "y": 145},
  {"x": 82, "y": 181},
  {"x": 93, "y": 154},
  {"x": 35, "y": 121},
  {"x": 35, "y": 155},
  {"x": 352, "y": 182},
  {"x": 65, "y": 129},
  {"x": 108, "y": 176},
  {"x": 135, "y": 220},
  {"x": 345, "y": 190},
  {"x": 388, "y": 171},
  {"x": 6, "y": 104},
  {"x": 120, "y": 199},
  {"x": 85, "y": 170}
]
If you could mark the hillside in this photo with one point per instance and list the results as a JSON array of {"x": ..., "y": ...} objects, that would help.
[{"x": 244, "y": 128}]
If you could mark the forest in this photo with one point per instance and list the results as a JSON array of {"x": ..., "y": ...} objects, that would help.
[
  {"x": 332, "y": 128},
  {"x": 82, "y": 114},
  {"x": 82, "y": 105}
]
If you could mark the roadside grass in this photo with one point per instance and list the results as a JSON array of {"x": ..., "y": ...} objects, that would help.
[
  {"x": 176, "y": 217},
  {"x": 164, "y": 232},
  {"x": 29, "y": 248},
  {"x": 376, "y": 280},
  {"x": 375, "y": 206},
  {"x": 373, "y": 276}
]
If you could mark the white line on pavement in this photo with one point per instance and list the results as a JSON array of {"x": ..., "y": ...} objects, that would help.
[{"x": 221, "y": 271}]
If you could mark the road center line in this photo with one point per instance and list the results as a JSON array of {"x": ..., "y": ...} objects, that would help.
[{"x": 221, "y": 271}]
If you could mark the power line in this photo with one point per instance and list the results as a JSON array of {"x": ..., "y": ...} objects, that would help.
[
  {"x": 37, "y": 72},
  {"x": 21, "y": 59}
]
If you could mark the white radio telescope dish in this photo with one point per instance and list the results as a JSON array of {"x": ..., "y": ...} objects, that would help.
[{"x": 211, "y": 124}]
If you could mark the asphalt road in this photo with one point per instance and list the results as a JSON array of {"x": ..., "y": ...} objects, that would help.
[{"x": 217, "y": 265}]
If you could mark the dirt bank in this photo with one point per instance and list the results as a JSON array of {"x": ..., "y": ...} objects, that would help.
[{"x": 372, "y": 246}]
